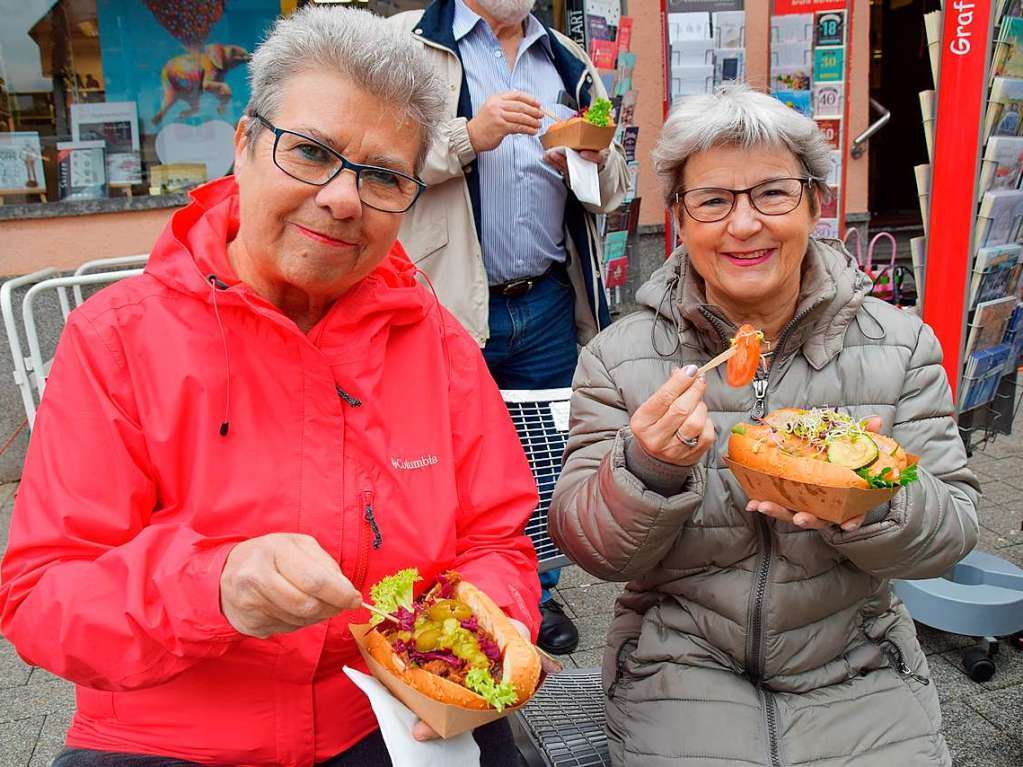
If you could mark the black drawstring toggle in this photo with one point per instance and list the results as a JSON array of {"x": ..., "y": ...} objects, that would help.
[
  {"x": 216, "y": 282},
  {"x": 348, "y": 397}
]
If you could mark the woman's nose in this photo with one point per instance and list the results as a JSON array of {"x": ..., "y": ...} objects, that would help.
[
  {"x": 744, "y": 220},
  {"x": 341, "y": 196}
]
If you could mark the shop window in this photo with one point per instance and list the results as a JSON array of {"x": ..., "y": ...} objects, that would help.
[{"x": 104, "y": 99}]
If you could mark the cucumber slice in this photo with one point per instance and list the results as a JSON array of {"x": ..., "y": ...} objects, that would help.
[{"x": 854, "y": 452}]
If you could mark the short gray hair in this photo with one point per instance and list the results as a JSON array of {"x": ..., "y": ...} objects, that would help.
[
  {"x": 737, "y": 115},
  {"x": 357, "y": 44}
]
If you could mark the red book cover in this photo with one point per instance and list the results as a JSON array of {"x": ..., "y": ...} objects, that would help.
[
  {"x": 617, "y": 272},
  {"x": 603, "y": 53},
  {"x": 624, "y": 34}
]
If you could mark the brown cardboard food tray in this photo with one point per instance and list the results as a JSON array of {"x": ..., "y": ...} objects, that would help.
[
  {"x": 578, "y": 134},
  {"x": 835, "y": 504},
  {"x": 447, "y": 719}
]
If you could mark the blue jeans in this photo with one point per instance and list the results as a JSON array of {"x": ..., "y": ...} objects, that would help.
[{"x": 532, "y": 345}]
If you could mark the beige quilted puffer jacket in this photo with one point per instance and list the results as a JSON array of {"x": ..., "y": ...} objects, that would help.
[{"x": 740, "y": 640}]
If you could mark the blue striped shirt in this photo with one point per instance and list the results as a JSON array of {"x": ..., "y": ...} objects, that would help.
[{"x": 522, "y": 198}]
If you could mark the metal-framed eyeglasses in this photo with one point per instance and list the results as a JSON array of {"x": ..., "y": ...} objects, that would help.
[
  {"x": 774, "y": 197},
  {"x": 310, "y": 161}
]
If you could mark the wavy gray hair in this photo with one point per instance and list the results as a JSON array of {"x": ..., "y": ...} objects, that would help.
[
  {"x": 358, "y": 45},
  {"x": 737, "y": 115}
]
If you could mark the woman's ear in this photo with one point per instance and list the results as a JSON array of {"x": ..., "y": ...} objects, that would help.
[{"x": 820, "y": 195}]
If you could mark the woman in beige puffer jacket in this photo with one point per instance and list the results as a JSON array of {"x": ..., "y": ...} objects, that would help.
[{"x": 747, "y": 635}]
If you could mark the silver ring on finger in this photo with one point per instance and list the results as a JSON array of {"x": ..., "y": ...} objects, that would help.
[{"x": 689, "y": 442}]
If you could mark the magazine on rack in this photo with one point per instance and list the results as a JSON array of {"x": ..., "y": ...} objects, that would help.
[
  {"x": 1000, "y": 217},
  {"x": 1004, "y": 108},
  {"x": 1003, "y": 163},
  {"x": 995, "y": 273},
  {"x": 989, "y": 322},
  {"x": 983, "y": 372}
]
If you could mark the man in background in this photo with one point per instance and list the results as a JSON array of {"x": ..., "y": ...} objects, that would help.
[{"x": 506, "y": 244}]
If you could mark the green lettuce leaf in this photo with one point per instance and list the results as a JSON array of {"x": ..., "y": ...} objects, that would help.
[
  {"x": 880, "y": 480},
  {"x": 393, "y": 592},
  {"x": 481, "y": 682},
  {"x": 599, "y": 113}
]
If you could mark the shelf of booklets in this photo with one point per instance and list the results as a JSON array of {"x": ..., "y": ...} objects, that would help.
[
  {"x": 604, "y": 29},
  {"x": 702, "y": 51},
  {"x": 987, "y": 391}
]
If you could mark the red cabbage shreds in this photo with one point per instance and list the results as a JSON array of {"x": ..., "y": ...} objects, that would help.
[
  {"x": 400, "y": 646},
  {"x": 446, "y": 581},
  {"x": 406, "y": 619},
  {"x": 489, "y": 647},
  {"x": 447, "y": 657},
  {"x": 471, "y": 624}
]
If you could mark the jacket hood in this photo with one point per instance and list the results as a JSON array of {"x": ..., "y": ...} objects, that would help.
[
  {"x": 832, "y": 290},
  {"x": 193, "y": 247}
]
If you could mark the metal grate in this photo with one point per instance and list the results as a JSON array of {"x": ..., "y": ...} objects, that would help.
[
  {"x": 564, "y": 721},
  {"x": 541, "y": 420}
]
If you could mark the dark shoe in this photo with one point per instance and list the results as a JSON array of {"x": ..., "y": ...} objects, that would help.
[{"x": 558, "y": 635}]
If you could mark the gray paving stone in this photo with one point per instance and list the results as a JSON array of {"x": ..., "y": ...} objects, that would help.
[
  {"x": 595, "y": 599},
  {"x": 1004, "y": 709},
  {"x": 592, "y": 632},
  {"x": 1003, "y": 520},
  {"x": 974, "y": 741},
  {"x": 51, "y": 739},
  {"x": 1010, "y": 468},
  {"x": 18, "y": 741},
  {"x": 1001, "y": 492},
  {"x": 42, "y": 676},
  {"x": 35, "y": 700},
  {"x": 573, "y": 575},
  {"x": 588, "y": 658},
  {"x": 13, "y": 671},
  {"x": 989, "y": 540}
]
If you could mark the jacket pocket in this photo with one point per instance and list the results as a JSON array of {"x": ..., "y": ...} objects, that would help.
[
  {"x": 370, "y": 537},
  {"x": 621, "y": 673}
]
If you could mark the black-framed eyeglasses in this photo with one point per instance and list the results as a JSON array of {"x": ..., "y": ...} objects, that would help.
[
  {"x": 774, "y": 197},
  {"x": 307, "y": 160}
]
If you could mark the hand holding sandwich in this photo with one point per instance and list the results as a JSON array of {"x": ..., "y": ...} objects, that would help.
[
  {"x": 281, "y": 582},
  {"x": 802, "y": 518}
]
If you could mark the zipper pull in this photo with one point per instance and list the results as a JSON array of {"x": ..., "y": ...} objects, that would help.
[
  {"x": 899, "y": 666},
  {"x": 760, "y": 395},
  {"x": 367, "y": 513}
]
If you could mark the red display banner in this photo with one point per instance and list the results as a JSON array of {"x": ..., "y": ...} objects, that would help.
[
  {"x": 788, "y": 7},
  {"x": 961, "y": 92}
]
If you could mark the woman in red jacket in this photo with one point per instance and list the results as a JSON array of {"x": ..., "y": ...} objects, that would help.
[{"x": 234, "y": 446}]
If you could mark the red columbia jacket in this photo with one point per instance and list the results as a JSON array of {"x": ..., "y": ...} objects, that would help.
[{"x": 380, "y": 433}]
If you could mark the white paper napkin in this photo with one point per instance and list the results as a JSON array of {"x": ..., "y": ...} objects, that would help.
[
  {"x": 582, "y": 177},
  {"x": 396, "y": 721}
]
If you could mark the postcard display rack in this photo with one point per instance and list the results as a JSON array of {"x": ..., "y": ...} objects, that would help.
[
  {"x": 810, "y": 73},
  {"x": 971, "y": 274},
  {"x": 808, "y": 70},
  {"x": 605, "y": 31},
  {"x": 705, "y": 47}
]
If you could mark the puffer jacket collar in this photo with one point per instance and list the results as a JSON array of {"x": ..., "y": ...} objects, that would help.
[{"x": 832, "y": 290}]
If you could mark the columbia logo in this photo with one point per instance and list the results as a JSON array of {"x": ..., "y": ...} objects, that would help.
[{"x": 418, "y": 463}]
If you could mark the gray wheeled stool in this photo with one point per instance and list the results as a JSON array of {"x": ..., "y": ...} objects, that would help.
[{"x": 982, "y": 596}]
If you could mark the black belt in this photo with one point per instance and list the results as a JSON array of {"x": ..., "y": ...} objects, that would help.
[{"x": 516, "y": 288}]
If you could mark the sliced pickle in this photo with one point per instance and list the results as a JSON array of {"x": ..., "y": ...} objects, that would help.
[
  {"x": 449, "y": 608},
  {"x": 854, "y": 451}
]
